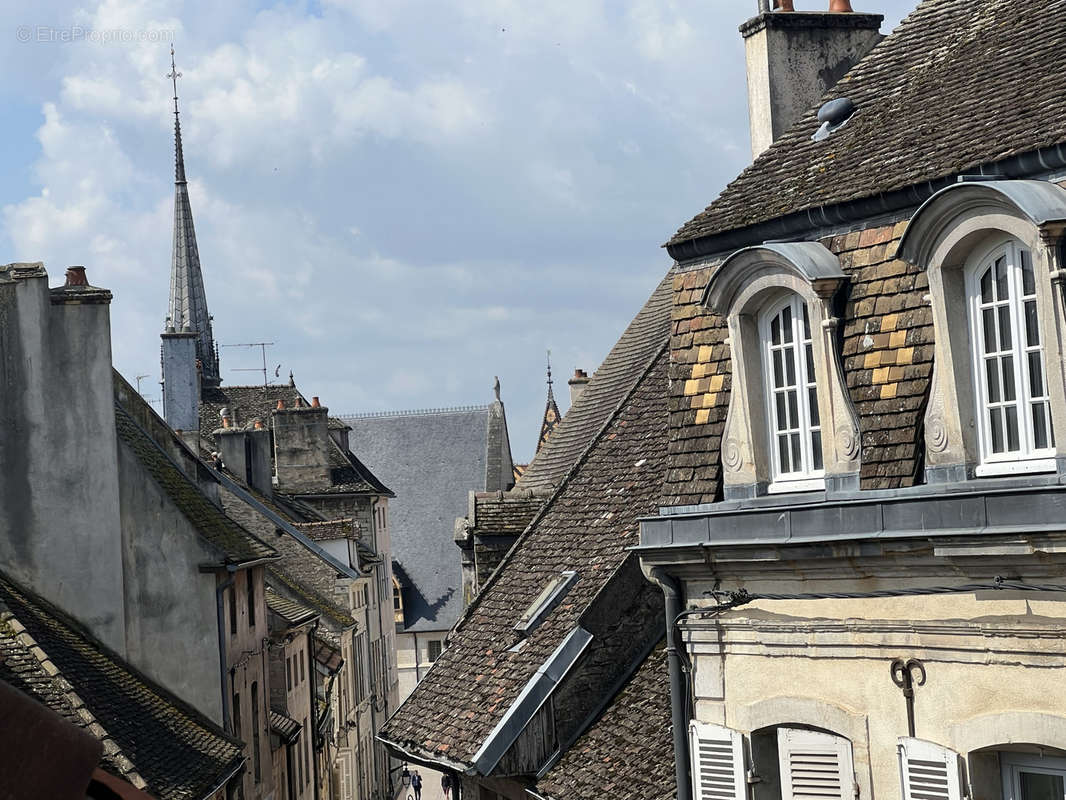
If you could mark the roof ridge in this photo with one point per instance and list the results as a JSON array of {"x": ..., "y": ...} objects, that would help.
[
  {"x": 563, "y": 484},
  {"x": 417, "y": 412},
  {"x": 112, "y": 749}
]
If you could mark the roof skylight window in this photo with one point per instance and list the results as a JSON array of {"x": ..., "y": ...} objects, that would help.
[{"x": 549, "y": 597}]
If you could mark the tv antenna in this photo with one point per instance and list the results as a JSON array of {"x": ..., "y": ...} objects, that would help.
[{"x": 263, "y": 351}]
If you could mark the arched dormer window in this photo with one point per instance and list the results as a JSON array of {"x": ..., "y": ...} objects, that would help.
[
  {"x": 991, "y": 250},
  {"x": 790, "y": 426}
]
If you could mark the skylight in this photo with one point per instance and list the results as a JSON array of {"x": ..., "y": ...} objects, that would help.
[{"x": 548, "y": 599}]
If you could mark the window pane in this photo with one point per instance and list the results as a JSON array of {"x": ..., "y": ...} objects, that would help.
[
  {"x": 778, "y": 376},
  {"x": 996, "y": 420},
  {"x": 1012, "y": 428},
  {"x": 1040, "y": 433},
  {"x": 816, "y": 449},
  {"x": 782, "y": 445},
  {"x": 1036, "y": 374},
  {"x": 1039, "y": 786},
  {"x": 1002, "y": 289},
  {"x": 1004, "y": 327},
  {"x": 986, "y": 286},
  {"x": 790, "y": 366},
  {"x": 775, "y": 330},
  {"x": 812, "y": 400},
  {"x": 810, "y": 363},
  {"x": 793, "y": 410},
  {"x": 992, "y": 376},
  {"x": 781, "y": 421},
  {"x": 1028, "y": 279},
  {"x": 1008, "y": 378},
  {"x": 988, "y": 318},
  {"x": 786, "y": 323},
  {"x": 1032, "y": 329},
  {"x": 806, "y": 323},
  {"x": 796, "y": 458}
]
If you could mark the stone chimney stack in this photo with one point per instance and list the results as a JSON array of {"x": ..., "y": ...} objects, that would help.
[
  {"x": 246, "y": 454},
  {"x": 795, "y": 57},
  {"x": 301, "y": 447},
  {"x": 577, "y": 384}
]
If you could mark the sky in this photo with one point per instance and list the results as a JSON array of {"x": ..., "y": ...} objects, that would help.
[{"x": 406, "y": 197}]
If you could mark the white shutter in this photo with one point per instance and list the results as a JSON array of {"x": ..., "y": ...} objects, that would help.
[
  {"x": 815, "y": 765},
  {"x": 717, "y": 762},
  {"x": 928, "y": 771}
]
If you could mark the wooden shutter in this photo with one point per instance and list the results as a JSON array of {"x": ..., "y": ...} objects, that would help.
[
  {"x": 929, "y": 771},
  {"x": 717, "y": 762},
  {"x": 815, "y": 765}
]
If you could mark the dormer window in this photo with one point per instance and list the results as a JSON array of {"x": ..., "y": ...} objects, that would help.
[
  {"x": 1013, "y": 400},
  {"x": 791, "y": 426},
  {"x": 992, "y": 251},
  {"x": 792, "y": 395}
]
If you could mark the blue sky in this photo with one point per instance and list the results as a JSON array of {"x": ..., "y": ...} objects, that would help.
[{"x": 407, "y": 197}]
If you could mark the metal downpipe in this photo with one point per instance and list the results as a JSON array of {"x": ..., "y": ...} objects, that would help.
[{"x": 672, "y": 603}]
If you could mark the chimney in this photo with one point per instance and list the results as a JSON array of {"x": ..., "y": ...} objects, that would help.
[
  {"x": 301, "y": 447},
  {"x": 246, "y": 454},
  {"x": 577, "y": 384},
  {"x": 795, "y": 57}
]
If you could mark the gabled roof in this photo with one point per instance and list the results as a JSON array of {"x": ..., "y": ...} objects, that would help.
[
  {"x": 618, "y": 373},
  {"x": 151, "y": 738},
  {"x": 505, "y": 513},
  {"x": 628, "y": 753},
  {"x": 227, "y": 537},
  {"x": 958, "y": 85},
  {"x": 432, "y": 459},
  {"x": 584, "y": 528}
]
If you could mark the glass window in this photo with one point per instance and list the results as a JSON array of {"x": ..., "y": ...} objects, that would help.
[
  {"x": 792, "y": 393},
  {"x": 1012, "y": 394},
  {"x": 1031, "y": 777},
  {"x": 251, "y": 598},
  {"x": 435, "y": 648}
]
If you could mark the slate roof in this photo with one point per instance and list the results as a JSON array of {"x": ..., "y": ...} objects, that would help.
[
  {"x": 151, "y": 738},
  {"x": 584, "y": 528},
  {"x": 292, "y": 611},
  {"x": 628, "y": 753},
  {"x": 551, "y": 416},
  {"x": 235, "y": 543},
  {"x": 432, "y": 460},
  {"x": 618, "y": 373},
  {"x": 958, "y": 84}
]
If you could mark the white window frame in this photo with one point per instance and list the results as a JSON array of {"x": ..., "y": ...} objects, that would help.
[
  {"x": 1014, "y": 764},
  {"x": 791, "y": 739},
  {"x": 1028, "y": 459},
  {"x": 807, "y": 478}
]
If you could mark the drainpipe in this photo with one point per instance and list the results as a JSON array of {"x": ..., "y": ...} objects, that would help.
[
  {"x": 313, "y": 733},
  {"x": 227, "y": 723},
  {"x": 672, "y": 603}
]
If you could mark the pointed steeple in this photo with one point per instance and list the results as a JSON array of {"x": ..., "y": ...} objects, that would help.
[
  {"x": 188, "y": 301},
  {"x": 551, "y": 410}
]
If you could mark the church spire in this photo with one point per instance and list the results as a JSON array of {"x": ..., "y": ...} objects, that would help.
[
  {"x": 188, "y": 302},
  {"x": 551, "y": 410}
]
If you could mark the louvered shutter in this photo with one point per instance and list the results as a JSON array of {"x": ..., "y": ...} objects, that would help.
[
  {"x": 717, "y": 762},
  {"x": 815, "y": 765},
  {"x": 929, "y": 771}
]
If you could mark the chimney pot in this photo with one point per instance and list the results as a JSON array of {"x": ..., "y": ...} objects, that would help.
[
  {"x": 281, "y": 405},
  {"x": 76, "y": 276},
  {"x": 225, "y": 422},
  {"x": 259, "y": 424},
  {"x": 315, "y": 403},
  {"x": 784, "y": 5},
  {"x": 299, "y": 402},
  {"x": 841, "y": 6}
]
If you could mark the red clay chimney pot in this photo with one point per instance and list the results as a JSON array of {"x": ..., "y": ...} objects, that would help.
[
  {"x": 315, "y": 403},
  {"x": 281, "y": 405},
  {"x": 784, "y": 5},
  {"x": 76, "y": 276},
  {"x": 841, "y": 6}
]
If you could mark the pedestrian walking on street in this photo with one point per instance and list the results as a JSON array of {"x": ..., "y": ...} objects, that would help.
[
  {"x": 416, "y": 784},
  {"x": 446, "y": 785}
]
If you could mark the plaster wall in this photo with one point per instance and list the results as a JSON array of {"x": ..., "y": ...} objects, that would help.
[
  {"x": 181, "y": 382},
  {"x": 170, "y": 612},
  {"x": 993, "y": 666},
  {"x": 59, "y": 497}
]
